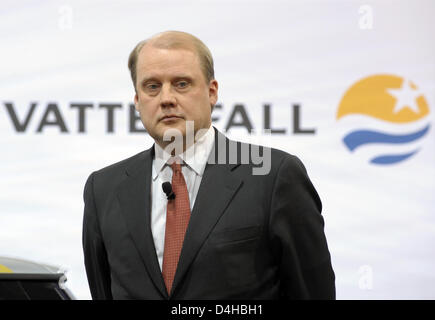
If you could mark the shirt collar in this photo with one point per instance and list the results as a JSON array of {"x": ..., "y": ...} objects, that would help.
[{"x": 195, "y": 156}]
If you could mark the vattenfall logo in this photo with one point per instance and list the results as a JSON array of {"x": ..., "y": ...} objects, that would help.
[{"x": 390, "y": 118}]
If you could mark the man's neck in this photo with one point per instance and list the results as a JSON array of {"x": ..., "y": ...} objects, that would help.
[{"x": 176, "y": 146}]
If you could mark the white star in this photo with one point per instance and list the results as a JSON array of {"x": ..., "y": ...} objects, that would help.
[{"x": 406, "y": 97}]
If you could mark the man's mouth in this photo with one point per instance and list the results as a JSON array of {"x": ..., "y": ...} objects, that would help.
[{"x": 170, "y": 117}]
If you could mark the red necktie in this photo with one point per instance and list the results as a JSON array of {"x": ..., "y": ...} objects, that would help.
[{"x": 177, "y": 219}]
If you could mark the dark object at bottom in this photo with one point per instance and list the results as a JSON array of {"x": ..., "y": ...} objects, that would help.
[{"x": 25, "y": 280}]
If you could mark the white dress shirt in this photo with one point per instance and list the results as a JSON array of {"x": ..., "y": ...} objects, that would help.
[{"x": 193, "y": 166}]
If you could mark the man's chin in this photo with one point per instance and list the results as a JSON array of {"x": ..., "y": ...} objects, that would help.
[{"x": 171, "y": 130}]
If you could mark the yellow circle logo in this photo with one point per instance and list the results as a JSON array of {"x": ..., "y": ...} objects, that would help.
[{"x": 391, "y": 111}]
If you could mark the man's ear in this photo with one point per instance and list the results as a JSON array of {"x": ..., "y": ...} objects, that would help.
[
  {"x": 213, "y": 91},
  {"x": 136, "y": 102}
]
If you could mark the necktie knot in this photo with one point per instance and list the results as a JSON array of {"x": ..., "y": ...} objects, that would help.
[{"x": 176, "y": 167}]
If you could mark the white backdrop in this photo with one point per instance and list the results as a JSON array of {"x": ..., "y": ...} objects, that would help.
[{"x": 379, "y": 219}]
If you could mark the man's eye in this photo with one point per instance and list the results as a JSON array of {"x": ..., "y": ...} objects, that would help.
[
  {"x": 182, "y": 84},
  {"x": 152, "y": 86}
]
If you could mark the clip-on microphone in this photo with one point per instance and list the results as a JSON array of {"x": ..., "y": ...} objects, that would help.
[{"x": 167, "y": 189}]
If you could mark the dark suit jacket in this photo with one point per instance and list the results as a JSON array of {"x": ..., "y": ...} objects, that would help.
[{"x": 249, "y": 236}]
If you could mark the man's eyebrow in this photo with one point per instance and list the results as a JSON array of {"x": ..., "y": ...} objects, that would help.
[
  {"x": 176, "y": 77},
  {"x": 183, "y": 76},
  {"x": 146, "y": 79}
]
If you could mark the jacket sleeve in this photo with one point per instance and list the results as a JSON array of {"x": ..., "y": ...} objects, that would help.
[
  {"x": 297, "y": 235},
  {"x": 95, "y": 256}
]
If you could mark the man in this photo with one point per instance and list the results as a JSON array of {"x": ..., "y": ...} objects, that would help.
[{"x": 218, "y": 230}]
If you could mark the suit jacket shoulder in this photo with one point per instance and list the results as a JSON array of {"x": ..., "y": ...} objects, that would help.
[{"x": 115, "y": 172}]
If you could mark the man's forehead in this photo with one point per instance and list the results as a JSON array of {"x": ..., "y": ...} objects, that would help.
[
  {"x": 155, "y": 60},
  {"x": 150, "y": 52}
]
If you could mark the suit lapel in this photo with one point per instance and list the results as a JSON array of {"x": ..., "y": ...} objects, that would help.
[
  {"x": 134, "y": 196},
  {"x": 218, "y": 187}
]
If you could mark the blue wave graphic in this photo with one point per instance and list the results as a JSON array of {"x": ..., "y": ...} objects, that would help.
[
  {"x": 390, "y": 159},
  {"x": 359, "y": 138}
]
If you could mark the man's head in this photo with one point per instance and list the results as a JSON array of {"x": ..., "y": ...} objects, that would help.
[{"x": 173, "y": 76}]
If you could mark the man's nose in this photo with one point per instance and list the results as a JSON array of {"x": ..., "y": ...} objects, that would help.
[{"x": 167, "y": 98}]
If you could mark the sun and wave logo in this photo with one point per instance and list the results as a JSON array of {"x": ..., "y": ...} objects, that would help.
[{"x": 384, "y": 117}]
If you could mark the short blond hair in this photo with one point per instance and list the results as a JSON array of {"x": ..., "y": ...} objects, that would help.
[{"x": 174, "y": 40}]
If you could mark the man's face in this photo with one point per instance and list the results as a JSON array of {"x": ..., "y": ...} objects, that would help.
[{"x": 171, "y": 89}]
